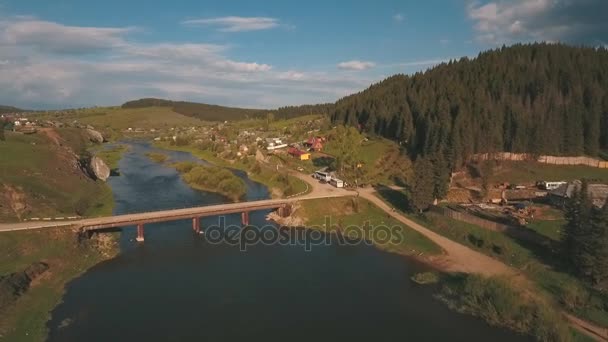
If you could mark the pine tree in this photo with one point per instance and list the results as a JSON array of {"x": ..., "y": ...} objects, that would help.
[
  {"x": 423, "y": 184},
  {"x": 599, "y": 224},
  {"x": 578, "y": 239}
]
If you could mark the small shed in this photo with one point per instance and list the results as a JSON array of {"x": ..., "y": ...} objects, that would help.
[{"x": 297, "y": 153}]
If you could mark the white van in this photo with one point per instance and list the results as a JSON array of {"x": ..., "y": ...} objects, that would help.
[{"x": 322, "y": 176}]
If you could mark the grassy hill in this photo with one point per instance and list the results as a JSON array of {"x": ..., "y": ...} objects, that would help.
[
  {"x": 221, "y": 113},
  {"x": 10, "y": 109},
  {"x": 197, "y": 110},
  {"x": 39, "y": 178}
]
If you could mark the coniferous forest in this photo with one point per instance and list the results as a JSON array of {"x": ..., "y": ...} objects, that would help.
[{"x": 538, "y": 98}]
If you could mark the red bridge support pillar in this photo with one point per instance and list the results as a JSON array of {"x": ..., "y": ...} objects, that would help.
[
  {"x": 196, "y": 225},
  {"x": 245, "y": 218},
  {"x": 140, "y": 233}
]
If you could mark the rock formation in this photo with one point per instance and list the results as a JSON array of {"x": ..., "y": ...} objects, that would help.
[
  {"x": 99, "y": 169},
  {"x": 95, "y": 136}
]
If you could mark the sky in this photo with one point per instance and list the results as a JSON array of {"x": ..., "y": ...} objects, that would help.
[{"x": 257, "y": 54}]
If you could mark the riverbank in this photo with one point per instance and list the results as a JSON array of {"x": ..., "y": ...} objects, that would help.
[
  {"x": 280, "y": 183},
  {"x": 67, "y": 257}
]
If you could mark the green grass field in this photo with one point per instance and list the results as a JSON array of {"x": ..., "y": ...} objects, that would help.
[
  {"x": 342, "y": 212},
  {"x": 113, "y": 120},
  {"x": 549, "y": 228},
  {"x": 526, "y": 172}
]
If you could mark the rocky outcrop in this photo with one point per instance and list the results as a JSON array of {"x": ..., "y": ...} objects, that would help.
[
  {"x": 98, "y": 168},
  {"x": 16, "y": 199},
  {"x": 12, "y": 286},
  {"x": 95, "y": 136}
]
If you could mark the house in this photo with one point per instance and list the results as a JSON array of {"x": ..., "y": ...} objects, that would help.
[
  {"x": 297, "y": 153},
  {"x": 243, "y": 149},
  {"x": 274, "y": 144},
  {"x": 314, "y": 143},
  {"x": 598, "y": 193}
]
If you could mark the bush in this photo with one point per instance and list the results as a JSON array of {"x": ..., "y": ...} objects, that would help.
[
  {"x": 185, "y": 166},
  {"x": 498, "y": 303},
  {"x": 255, "y": 169},
  {"x": 212, "y": 178},
  {"x": 425, "y": 278}
]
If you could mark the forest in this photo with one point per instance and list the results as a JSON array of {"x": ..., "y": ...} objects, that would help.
[{"x": 533, "y": 98}]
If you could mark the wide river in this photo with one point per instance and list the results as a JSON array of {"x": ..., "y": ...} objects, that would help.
[{"x": 177, "y": 287}]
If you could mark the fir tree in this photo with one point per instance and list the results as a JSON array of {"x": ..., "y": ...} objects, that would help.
[
  {"x": 599, "y": 224},
  {"x": 423, "y": 184}
]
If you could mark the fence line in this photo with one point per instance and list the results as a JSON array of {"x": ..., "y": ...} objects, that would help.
[
  {"x": 522, "y": 233},
  {"x": 555, "y": 160}
]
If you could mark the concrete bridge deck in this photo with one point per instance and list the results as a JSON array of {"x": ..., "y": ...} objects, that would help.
[{"x": 172, "y": 214}]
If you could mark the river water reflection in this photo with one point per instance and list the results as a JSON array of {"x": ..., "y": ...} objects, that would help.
[{"x": 177, "y": 287}]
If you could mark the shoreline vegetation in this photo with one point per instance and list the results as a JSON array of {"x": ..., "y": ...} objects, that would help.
[
  {"x": 279, "y": 183},
  {"x": 500, "y": 304},
  {"x": 212, "y": 178},
  {"x": 157, "y": 157},
  {"x": 27, "y": 304},
  {"x": 544, "y": 283}
]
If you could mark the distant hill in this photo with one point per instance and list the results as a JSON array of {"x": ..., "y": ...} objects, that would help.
[
  {"x": 220, "y": 113},
  {"x": 10, "y": 109}
]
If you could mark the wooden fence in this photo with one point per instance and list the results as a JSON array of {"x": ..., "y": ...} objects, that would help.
[
  {"x": 516, "y": 232},
  {"x": 555, "y": 160}
]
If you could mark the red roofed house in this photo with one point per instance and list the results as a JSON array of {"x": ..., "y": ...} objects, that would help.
[{"x": 315, "y": 143}]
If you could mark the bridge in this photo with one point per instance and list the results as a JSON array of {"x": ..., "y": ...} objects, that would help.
[
  {"x": 195, "y": 214},
  {"x": 283, "y": 206}
]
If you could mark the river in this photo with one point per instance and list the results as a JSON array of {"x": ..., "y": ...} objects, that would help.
[{"x": 177, "y": 287}]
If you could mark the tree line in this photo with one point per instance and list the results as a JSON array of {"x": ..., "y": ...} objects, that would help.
[
  {"x": 534, "y": 98},
  {"x": 221, "y": 113},
  {"x": 585, "y": 237}
]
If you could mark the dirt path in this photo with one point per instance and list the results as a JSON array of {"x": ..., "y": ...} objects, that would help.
[
  {"x": 52, "y": 135},
  {"x": 459, "y": 258}
]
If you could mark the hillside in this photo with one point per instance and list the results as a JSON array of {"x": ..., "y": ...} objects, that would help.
[
  {"x": 39, "y": 177},
  {"x": 209, "y": 112},
  {"x": 10, "y": 109},
  {"x": 539, "y": 98},
  {"x": 548, "y": 99}
]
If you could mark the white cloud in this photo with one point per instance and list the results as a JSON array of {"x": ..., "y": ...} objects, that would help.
[
  {"x": 398, "y": 17},
  {"x": 356, "y": 65},
  {"x": 504, "y": 22},
  {"x": 444, "y": 41},
  {"x": 67, "y": 66},
  {"x": 52, "y": 37},
  {"x": 235, "y": 24}
]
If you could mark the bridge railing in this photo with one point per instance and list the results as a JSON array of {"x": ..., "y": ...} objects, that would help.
[{"x": 185, "y": 206}]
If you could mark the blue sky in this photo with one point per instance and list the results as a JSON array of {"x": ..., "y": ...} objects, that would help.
[{"x": 260, "y": 54}]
